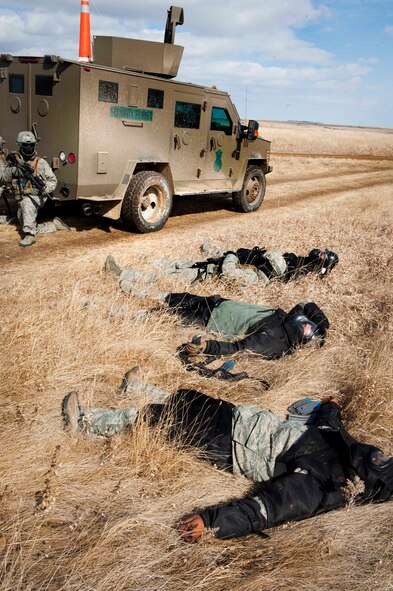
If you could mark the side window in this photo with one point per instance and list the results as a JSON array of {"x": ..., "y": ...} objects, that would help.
[
  {"x": 44, "y": 85},
  {"x": 108, "y": 92},
  {"x": 155, "y": 98},
  {"x": 17, "y": 83},
  {"x": 187, "y": 115},
  {"x": 221, "y": 121}
]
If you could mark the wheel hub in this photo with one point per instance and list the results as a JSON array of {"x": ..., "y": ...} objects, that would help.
[
  {"x": 253, "y": 190},
  {"x": 152, "y": 205}
]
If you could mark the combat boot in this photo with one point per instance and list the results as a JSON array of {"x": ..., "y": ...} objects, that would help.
[
  {"x": 60, "y": 225},
  {"x": 72, "y": 412},
  {"x": 28, "y": 240},
  {"x": 112, "y": 267},
  {"x": 133, "y": 380}
]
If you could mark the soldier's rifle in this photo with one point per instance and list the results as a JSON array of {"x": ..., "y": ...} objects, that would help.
[{"x": 27, "y": 172}]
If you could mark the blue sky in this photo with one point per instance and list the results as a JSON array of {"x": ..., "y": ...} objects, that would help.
[{"x": 327, "y": 61}]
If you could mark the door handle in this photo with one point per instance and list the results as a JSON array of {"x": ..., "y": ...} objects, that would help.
[
  {"x": 176, "y": 142},
  {"x": 213, "y": 144},
  {"x": 202, "y": 152}
]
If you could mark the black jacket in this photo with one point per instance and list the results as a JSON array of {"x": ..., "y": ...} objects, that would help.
[
  {"x": 296, "y": 265},
  {"x": 310, "y": 480},
  {"x": 274, "y": 336}
]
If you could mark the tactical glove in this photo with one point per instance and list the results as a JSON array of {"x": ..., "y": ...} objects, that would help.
[{"x": 196, "y": 346}]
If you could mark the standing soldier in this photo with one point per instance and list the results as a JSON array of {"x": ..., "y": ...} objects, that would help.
[{"x": 32, "y": 180}]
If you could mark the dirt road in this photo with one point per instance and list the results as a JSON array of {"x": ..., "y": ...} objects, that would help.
[{"x": 295, "y": 179}]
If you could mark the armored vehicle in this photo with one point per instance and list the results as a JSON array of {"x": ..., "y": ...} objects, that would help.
[{"x": 123, "y": 137}]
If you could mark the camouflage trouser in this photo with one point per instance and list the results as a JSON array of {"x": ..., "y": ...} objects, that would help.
[
  {"x": 246, "y": 275},
  {"x": 28, "y": 208},
  {"x": 129, "y": 278},
  {"x": 100, "y": 421},
  {"x": 104, "y": 422}
]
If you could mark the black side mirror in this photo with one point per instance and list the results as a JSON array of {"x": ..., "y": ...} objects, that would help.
[{"x": 252, "y": 130}]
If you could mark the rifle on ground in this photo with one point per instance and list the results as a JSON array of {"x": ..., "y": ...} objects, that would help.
[
  {"x": 221, "y": 373},
  {"x": 24, "y": 169}
]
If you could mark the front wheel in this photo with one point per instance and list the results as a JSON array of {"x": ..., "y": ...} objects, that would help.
[
  {"x": 147, "y": 203},
  {"x": 252, "y": 192}
]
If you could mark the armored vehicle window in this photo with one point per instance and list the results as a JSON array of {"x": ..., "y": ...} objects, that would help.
[
  {"x": 17, "y": 83},
  {"x": 221, "y": 121},
  {"x": 44, "y": 85},
  {"x": 187, "y": 115},
  {"x": 108, "y": 91},
  {"x": 155, "y": 98}
]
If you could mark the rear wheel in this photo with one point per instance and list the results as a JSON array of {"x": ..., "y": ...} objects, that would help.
[
  {"x": 147, "y": 203},
  {"x": 252, "y": 192}
]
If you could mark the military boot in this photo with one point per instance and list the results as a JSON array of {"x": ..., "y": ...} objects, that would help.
[
  {"x": 112, "y": 267},
  {"x": 28, "y": 240},
  {"x": 72, "y": 412},
  {"x": 133, "y": 380},
  {"x": 60, "y": 225}
]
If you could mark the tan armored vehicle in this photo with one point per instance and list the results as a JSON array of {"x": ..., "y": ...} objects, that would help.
[{"x": 124, "y": 138}]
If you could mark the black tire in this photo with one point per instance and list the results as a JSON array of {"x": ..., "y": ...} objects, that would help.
[
  {"x": 147, "y": 203},
  {"x": 253, "y": 190}
]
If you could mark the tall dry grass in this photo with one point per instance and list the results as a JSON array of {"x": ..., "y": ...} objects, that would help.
[
  {"x": 89, "y": 513},
  {"x": 307, "y": 138}
]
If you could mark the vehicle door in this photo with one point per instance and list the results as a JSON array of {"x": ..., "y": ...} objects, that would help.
[
  {"x": 188, "y": 140},
  {"x": 221, "y": 165}
]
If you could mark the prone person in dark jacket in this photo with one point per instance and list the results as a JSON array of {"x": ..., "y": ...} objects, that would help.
[
  {"x": 299, "y": 469},
  {"x": 263, "y": 330},
  {"x": 310, "y": 477}
]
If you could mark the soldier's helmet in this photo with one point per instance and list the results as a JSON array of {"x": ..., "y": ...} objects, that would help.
[
  {"x": 324, "y": 259},
  {"x": 310, "y": 330},
  {"x": 26, "y": 143},
  {"x": 2, "y": 143}
]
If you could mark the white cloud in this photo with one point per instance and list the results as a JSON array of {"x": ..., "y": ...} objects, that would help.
[
  {"x": 389, "y": 29},
  {"x": 258, "y": 45},
  {"x": 267, "y": 30}
]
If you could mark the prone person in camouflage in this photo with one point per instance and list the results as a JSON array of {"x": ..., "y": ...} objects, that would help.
[
  {"x": 299, "y": 469},
  {"x": 29, "y": 197},
  {"x": 248, "y": 266}
]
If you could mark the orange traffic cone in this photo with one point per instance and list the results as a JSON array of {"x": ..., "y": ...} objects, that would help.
[{"x": 84, "y": 33}]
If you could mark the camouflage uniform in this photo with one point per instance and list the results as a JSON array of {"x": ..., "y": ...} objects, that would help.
[
  {"x": 3, "y": 164},
  {"x": 166, "y": 267},
  {"x": 228, "y": 267},
  {"x": 104, "y": 422},
  {"x": 258, "y": 436},
  {"x": 28, "y": 198}
]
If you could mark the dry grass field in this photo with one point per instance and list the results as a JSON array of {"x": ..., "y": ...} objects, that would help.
[{"x": 97, "y": 514}]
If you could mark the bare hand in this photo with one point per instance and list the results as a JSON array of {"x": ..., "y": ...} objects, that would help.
[{"x": 191, "y": 528}]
